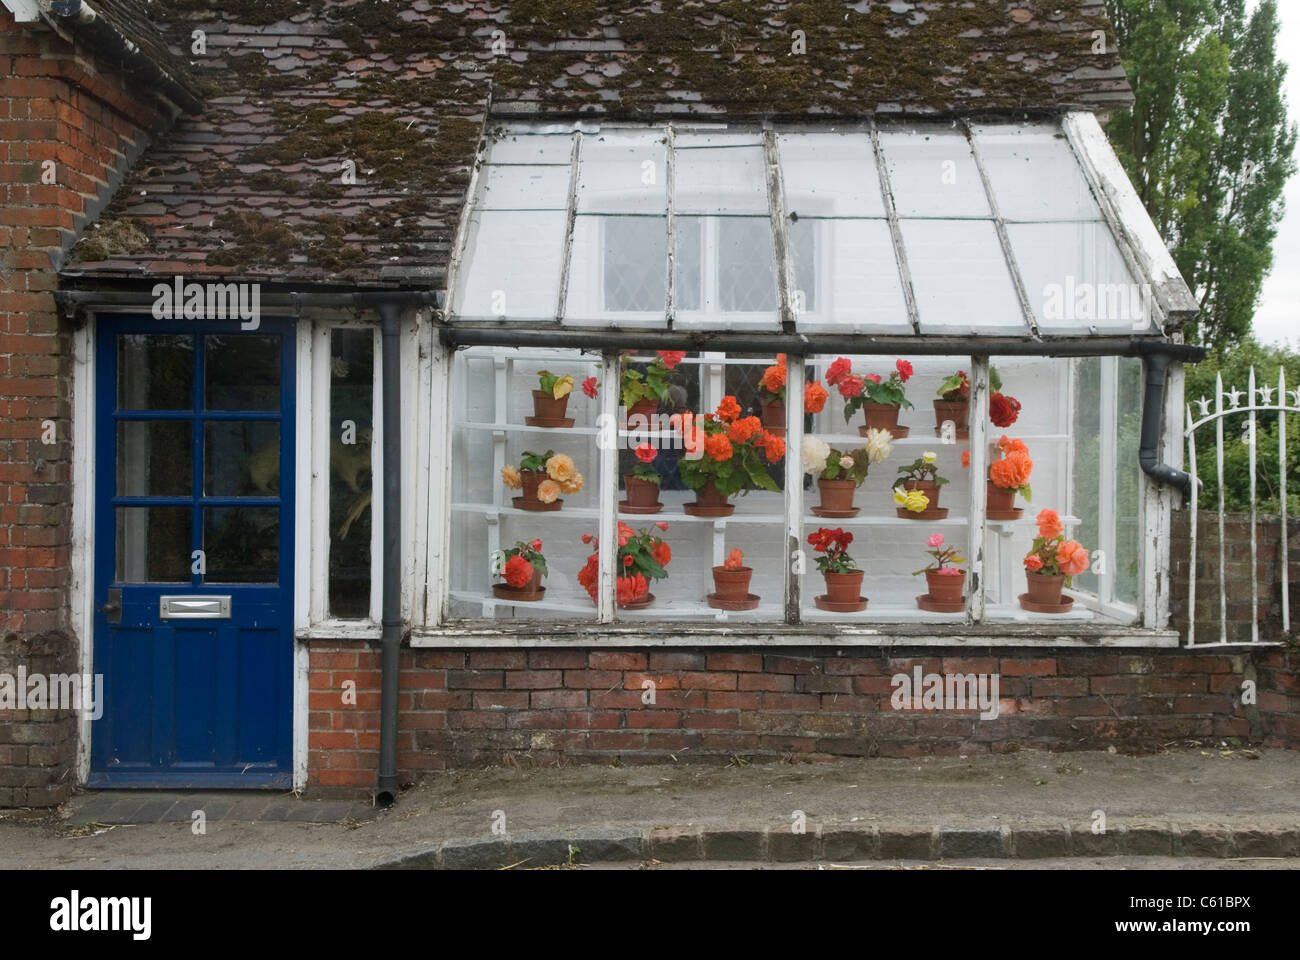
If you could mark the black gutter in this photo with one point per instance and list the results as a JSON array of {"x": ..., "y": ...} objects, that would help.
[
  {"x": 1153, "y": 408},
  {"x": 82, "y": 20},
  {"x": 461, "y": 335},
  {"x": 391, "y": 637},
  {"x": 359, "y": 299}
]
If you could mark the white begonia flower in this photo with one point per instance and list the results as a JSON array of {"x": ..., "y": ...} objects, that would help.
[
  {"x": 846, "y": 462},
  {"x": 929, "y": 456},
  {"x": 879, "y": 445},
  {"x": 815, "y": 452}
]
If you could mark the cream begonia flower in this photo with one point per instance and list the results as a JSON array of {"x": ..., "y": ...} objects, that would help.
[
  {"x": 548, "y": 491},
  {"x": 510, "y": 477},
  {"x": 930, "y": 456},
  {"x": 879, "y": 445},
  {"x": 573, "y": 485},
  {"x": 815, "y": 452},
  {"x": 560, "y": 467},
  {"x": 846, "y": 462}
]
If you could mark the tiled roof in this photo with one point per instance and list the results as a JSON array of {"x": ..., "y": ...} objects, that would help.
[{"x": 254, "y": 187}]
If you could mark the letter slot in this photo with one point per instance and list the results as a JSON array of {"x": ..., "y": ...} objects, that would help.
[{"x": 202, "y": 607}]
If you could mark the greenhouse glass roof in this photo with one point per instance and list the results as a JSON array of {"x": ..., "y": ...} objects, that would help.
[{"x": 992, "y": 229}]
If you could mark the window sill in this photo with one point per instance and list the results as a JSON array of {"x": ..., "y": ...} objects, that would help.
[
  {"x": 340, "y": 630},
  {"x": 542, "y": 634}
]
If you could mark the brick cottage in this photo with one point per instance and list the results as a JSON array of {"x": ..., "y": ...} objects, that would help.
[{"x": 339, "y": 344}]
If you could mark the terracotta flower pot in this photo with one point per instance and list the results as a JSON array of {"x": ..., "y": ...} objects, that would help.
[
  {"x": 774, "y": 417},
  {"x": 837, "y": 498},
  {"x": 641, "y": 494},
  {"x": 546, "y": 407},
  {"x": 958, "y": 411},
  {"x": 946, "y": 588},
  {"x": 529, "y": 592},
  {"x": 881, "y": 416},
  {"x": 528, "y": 499},
  {"x": 642, "y": 408},
  {"x": 1044, "y": 588},
  {"x": 731, "y": 584},
  {"x": 999, "y": 499},
  {"x": 709, "y": 503},
  {"x": 843, "y": 587}
]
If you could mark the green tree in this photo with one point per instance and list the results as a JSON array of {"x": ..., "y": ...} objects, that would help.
[{"x": 1208, "y": 144}]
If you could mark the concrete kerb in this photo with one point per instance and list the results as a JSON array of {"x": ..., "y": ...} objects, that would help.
[{"x": 851, "y": 842}]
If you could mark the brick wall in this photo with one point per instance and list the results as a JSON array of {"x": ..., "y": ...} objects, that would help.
[
  {"x": 61, "y": 118},
  {"x": 56, "y": 105},
  {"x": 481, "y": 707}
]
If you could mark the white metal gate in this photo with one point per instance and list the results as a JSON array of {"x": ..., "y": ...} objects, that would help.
[{"x": 1229, "y": 403}]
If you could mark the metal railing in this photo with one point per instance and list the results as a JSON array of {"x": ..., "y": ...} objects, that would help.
[{"x": 1228, "y": 403}]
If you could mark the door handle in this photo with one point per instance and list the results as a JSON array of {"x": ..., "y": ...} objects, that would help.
[{"x": 113, "y": 608}]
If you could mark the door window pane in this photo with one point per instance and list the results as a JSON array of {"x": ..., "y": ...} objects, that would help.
[
  {"x": 242, "y": 544},
  {"x": 154, "y": 458},
  {"x": 243, "y": 372},
  {"x": 241, "y": 458},
  {"x": 155, "y": 372},
  {"x": 153, "y": 545}
]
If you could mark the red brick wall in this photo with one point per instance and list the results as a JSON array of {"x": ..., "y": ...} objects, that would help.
[
  {"x": 55, "y": 105},
  {"x": 481, "y": 707}
]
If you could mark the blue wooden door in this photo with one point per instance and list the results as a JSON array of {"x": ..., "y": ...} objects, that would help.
[{"x": 194, "y": 466}]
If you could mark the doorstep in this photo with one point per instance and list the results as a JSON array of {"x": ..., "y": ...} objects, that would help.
[{"x": 117, "y": 807}]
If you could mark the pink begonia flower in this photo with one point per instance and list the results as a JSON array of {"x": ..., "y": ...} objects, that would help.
[
  {"x": 936, "y": 540},
  {"x": 950, "y": 571}
]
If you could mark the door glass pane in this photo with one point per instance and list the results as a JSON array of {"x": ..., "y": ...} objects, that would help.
[
  {"x": 243, "y": 372},
  {"x": 153, "y": 545},
  {"x": 352, "y": 362},
  {"x": 242, "y": 544},
  {"x": 154, "y": 458},
  {"x": 241, "y": 458},
  {"x": 155, "y": 372}
]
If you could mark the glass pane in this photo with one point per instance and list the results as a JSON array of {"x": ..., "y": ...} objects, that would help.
[
  {"x": 623, "y": 173},
  {"x": 720, "y": 180},
  {"x": 1077, "y": 280},
  {"x": 863, "y": 291},
  {"x": 533, "y": 148},
  {"x": 524, "y": 188},
  {"x": 241, "y": 458},
  {"x": 890, "y": 541},
  {"x": 830, "y": 175},
  {"x": 242, "y": 372},
  {"x": 688, "y": 262},
  {"x": 352, "y": 360},
  {"x": 742, "y": 462},
  {"x": 746, "y": 265},
  {"x": 154, "y": 458},
  {"x": 512, "y": 266},
  {"x": 635, "y": 263},
  {"x": 500, "y": 420},
  {"x": 155, "y": 372},
  {"x": 242, "y": 544},
  {"x": 153, "y": 545},
  {"x": 960, "y": 278},
  {"x": 1034, "y": 173},
  {"x": 933, "y": 174}
]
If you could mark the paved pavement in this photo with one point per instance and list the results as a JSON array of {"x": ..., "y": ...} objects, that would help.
[{"x": 1238, "y": 809}]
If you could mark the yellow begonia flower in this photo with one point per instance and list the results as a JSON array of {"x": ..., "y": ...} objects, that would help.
[
  {"x": 929, "y": 456},
  {"x": 563, "y": 387},
  {"x": 916, "y": 501}
]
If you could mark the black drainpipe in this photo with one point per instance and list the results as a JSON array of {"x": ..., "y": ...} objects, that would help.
[
  {"x": 390, "y": 315},
  {"x": 1153, "y": 407}
]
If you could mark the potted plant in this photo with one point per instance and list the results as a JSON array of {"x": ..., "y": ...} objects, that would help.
[
  {"x": 1051, "y": 564},
  {"x": 640, "y": 392},
  {"x": 840, "y": 472},
  {"x": 879, "y": 399},
  {"x": 1003, "y": 410},
  {"x": 542, "y": 477},
  {"x": 642, "y": 557},
  {"x": 771, "y": 396},
  {"x": 723, "y": 458},
  {"x": 731, "y": 584},
  {"x": 843, "y": 578},
  {"x": 1008, "y": 476},
  {"x": 946, "y": 581},
  {"x": 922, "y": 475},
  {"x": 953, "y": 406},
  {"x": 642, "y": 484},
  {"x": 551, "y": 401},
  {"x": 522, "y": 567}
]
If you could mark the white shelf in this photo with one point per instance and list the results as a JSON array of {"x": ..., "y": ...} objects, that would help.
[
  {"x": 877, "y": 611},
  {"x": 579, "y": 604},
  {"x": 496, "y": 509},
  {"x": 767, "y": 611},
  {"x": 918, "y": 438},
  {"x": 525, "y": 428}
]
